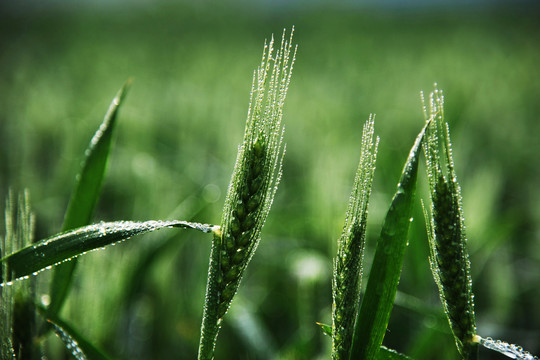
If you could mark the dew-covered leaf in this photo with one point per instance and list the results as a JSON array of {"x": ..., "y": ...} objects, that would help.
[
  {"x": 85, "y": 195},
  {"x": 65, "y": 246},
  {"x": 71, "y": 344},
  {"x": 380, "y": 293},
  {"x": 80, "y": 347}
]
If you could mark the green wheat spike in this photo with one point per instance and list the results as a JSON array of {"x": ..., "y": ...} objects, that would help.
[
  {"x": 371, "y": 323},
  {"x": 348, "y": 263},
  {"x": 449, "y": 257},
  {"x": 252, "y": 188}
]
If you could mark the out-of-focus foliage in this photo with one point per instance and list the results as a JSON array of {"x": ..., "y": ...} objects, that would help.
[{"x": 176, "y": 143}]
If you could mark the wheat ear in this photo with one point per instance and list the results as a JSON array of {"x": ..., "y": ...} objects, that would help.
[
  {"x": 449, "y": 257},
  {"x": 252, "y": 188},
  {"x": 348, "y": 263}
]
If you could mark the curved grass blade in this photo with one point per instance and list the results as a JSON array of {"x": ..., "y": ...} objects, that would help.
[
  {"x": 80, "y": 347},
  {"x": 71, "y": 344},
  {"x": 372, "y": 319},
  {"x": 66, "y": 246},
  {"x": 85, "y": 195}
]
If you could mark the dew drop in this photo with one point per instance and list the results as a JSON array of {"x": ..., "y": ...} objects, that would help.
[{"x": 45, "y": 300}]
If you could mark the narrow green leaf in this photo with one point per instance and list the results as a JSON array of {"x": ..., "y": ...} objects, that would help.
[
  {"x": 389, "y": 354},
  {"x": 80, "y": 347},
  {"x": 88, "y": 185},
  {"x": 65, "y": 246},
  {"x": 372, "y": 319},
  {"x": 85, "y": 195}
]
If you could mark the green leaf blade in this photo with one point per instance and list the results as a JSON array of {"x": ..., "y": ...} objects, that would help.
[
  {"x": 380, "y": 293},
  {"x": 66, "y": 246},
  {"x": 85, "y": 195},
  {"x": 81, "y": 348},
  {"x": 88, "y": 186}
]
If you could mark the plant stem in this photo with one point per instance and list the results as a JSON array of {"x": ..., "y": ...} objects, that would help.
[{"x": 211, "y": 322}]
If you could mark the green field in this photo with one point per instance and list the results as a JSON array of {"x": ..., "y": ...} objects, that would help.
[{"x": 176, "y": 144}]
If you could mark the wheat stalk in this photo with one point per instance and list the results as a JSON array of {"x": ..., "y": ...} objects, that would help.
[{"x": 254, "y": 182}]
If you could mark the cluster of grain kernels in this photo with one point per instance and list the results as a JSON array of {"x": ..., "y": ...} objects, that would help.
[{"x": 239, "y": 234}]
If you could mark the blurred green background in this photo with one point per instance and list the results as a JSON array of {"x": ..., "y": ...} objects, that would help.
[{"x": 61, "y": 65}]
